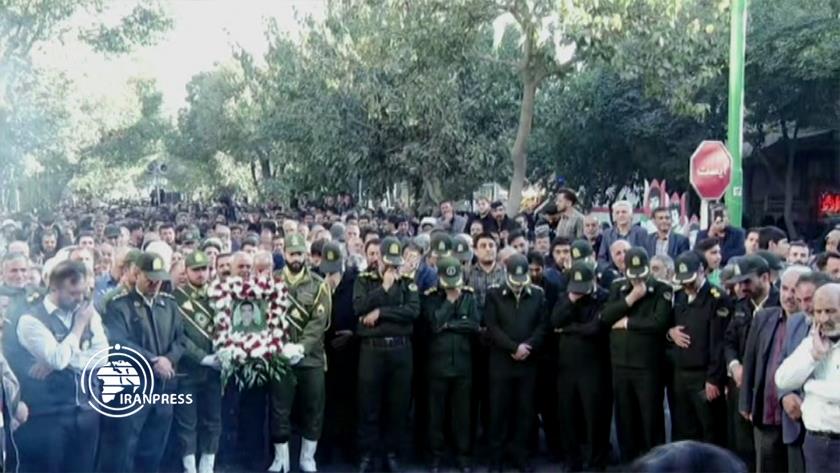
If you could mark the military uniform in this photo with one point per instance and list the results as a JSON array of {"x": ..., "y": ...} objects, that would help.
[
  {"x": 584, "y": 384},
  {"x": 637, "y": 352},
  {"x": 385, "y": 356},
  {"x": 452, "y": 326},
  {"x": 308, "y": 317},
  {"x": 153, "y": 327},
  {"x": 198, "y": 426},
  {"x": 704, "y": 317},
  {"x": 512, "y": 319}
]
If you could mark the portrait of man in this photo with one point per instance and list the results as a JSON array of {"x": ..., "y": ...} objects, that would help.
[{"x": 247, "y": 317}]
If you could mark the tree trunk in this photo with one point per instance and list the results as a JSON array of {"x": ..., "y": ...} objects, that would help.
[
  {"x": 519, "y": 152},
  {"x": 265, "y": 168},
  {"x": 254, "y": 178},
  {"x": 790, "y": 158}
]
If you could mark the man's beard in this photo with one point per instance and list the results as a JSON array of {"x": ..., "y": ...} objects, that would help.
[{"x": 295, "y": 267}]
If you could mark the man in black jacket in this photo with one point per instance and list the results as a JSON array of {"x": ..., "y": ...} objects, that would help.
[
  {"x": 386, "y": 305},
  {"x": 584, "y": 384},
  {"x": 637, "y": 311},
  {"x": 698, "y": 321},
  {"x": 516, "y": 325}
]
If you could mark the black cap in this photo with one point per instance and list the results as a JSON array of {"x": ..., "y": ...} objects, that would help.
[
  {"x": 747, "y": 266},
  {"x": 330, "y": 258},
  {"x": 441, "y": 244},
  {"x": 686, "y": 267},
  {"x": 153, "y": 266},
  {"x": 550, "y": 208},
  {"x": 517, "y": 270},
  {"x": 581, "y": 249},
  {"x": 391, "y": 250},
  {"x": 636, "y": 263},
  {"x": 111, "y": 231},
  {"x": 581, "y": 278},
  {"x": 773, "y": 261}
]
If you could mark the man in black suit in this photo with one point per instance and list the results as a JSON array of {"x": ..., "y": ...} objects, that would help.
[
  {"x": 665, "y": 241},
  {"x": 759, "y": 399}
]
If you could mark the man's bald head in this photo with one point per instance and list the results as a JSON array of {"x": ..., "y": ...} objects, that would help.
[
  {"x": 832, "y": 240},
  {"x": 242, "y": 265},
  {"x": 827, "y": 311}
]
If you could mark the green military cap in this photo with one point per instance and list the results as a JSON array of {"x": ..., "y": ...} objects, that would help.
[
  {"x": 581, "y": 278},
  {"x": 749, "y": 265},
  {"x": 214, "y": 242},
  {"x": 331, "y": 258},
  {"x": 295, "y": 243},
  {"x": 636, "y": 262},
  {"x": 461, "y": 249},
  {"x": 449, "y": 272},
  {"x": 581, "y": 249},
  {"x": 189, "y": 236},
  {"x": 153, "y": 266},
  {"x": 197, "y": 259},
  {"x": 391, "y": 250},
  {"x": 517, "y": 270},
  {"x": 773, "y": 261},
  {"x": 686, "y": 267},
  {"x": 133, "y": 256},
  {"x": 441, "y": 244}
]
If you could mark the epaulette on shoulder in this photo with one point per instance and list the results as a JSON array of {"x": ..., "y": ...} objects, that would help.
[
  {"x": 407, "y": 276},
  {"x": 537, "y": 288},
  {"x": 166, "y": 295},
  {"x": 34, "y": 296},
  {"x": 366, "y": 274},
  {"x": 467, "y": 289},
  {"x": 430, "y": 291},
  {"x": 494, "y": 286},
  {"x": 119, "y": 295}
]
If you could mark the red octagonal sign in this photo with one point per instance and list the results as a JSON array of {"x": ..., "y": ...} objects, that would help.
[{"x": 711, "y": 170}]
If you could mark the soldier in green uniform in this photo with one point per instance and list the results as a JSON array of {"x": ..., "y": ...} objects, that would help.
[
  {"x": 146, "y": 320},
  {"x": 126, "y": 284},
  {"x": 387, "y": 305},
  {"x": 451, "y": 312},
  {"x": 638, "y": 309},
  {"x": 198, "y": 426},
  {"x": 308, "y": 317}
]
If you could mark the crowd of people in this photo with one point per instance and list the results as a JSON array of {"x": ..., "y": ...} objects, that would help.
[{"x": 457, "y": 339}]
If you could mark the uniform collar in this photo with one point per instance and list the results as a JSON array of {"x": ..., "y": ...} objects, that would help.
[{"x": 294, "y": 278}]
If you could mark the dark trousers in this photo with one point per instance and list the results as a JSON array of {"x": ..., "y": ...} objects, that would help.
[
  {"x": 135, "y": 443},
  {"x": 511, "y": 412},
  {"x": 341, "y": 406},
  {"x": 480, "y": 403},
  {"x": 693, "y": 416},
  {"x": 420, "y": 392},
  {"x": 251, "y": 428},
  {"x": 740, "y": 438},
  {"x": 822, "y": 453},
  {"x": 450, "y": 397},
  {"x": 548, "y": 416},
  {"x": 62, "y": 442},
  {"x": 770, "y": 451},
  {"x": 639, "y": 416},
  {"x": 585, "y": 401},
  {"x": 198, "y": 426},
  {"x": 796, "y": 459},
  {"x": 384, "y": 385},
  {"x": 302, "y": 390}
]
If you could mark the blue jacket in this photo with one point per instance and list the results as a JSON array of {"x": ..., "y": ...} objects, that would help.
[
  {"x": 732, "y": 244},
  {"x": 677, "y": 244},
  {"x": 425, "y": 277},
  {"x": 798, "y": 327},
  {"x": 636, "y": 236}
]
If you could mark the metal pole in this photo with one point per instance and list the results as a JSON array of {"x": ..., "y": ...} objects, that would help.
[{"x": 737, "y": 38}]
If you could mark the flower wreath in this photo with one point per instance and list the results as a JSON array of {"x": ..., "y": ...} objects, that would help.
[{"x": 251, "y": 358}]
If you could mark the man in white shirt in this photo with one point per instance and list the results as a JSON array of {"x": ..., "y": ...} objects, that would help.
[
  {"x": 814, "y": 367},
  {"x": 48, "y": 347}
]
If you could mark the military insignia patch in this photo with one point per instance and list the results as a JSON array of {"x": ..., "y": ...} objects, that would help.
[
  {"x": 320, "y": 309},
  {"x": 187, "y": 305},
  {"x": 578, "y": 276},
  {"x": 715, "y": 293},
  {"x": 442, "y": 246},
  {"x": 520, "y": 271},
  {"x": 636, "y": 261},
  {"x": 451, "y": 271},
  {"x": 331, "y": 256},
  {"x": 394, "y": 249},
  {"x": 575, "y": 253},
  {"x": 683, "y": 268},
  {"x": 668, "y": 295},
  {"x": 157, "y": 264},
  {"x": 723, "y": 312},
  {"x": 412, "y": 287}
]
